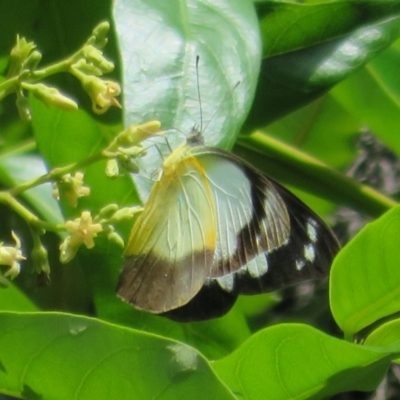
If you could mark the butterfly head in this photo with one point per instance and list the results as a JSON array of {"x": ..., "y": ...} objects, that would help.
[{"x": 195, "y": 137}]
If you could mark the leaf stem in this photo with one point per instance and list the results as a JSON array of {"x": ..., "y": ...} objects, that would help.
[
  {"x": 11, "y": 84},
  {"x": 7, "y": 199},
  {"x": 55, "y": 174}
]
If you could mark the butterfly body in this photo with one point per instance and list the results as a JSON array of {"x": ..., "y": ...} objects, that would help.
[{"x": 215, "y": 227}]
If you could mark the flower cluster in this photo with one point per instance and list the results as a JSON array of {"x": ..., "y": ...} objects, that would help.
[
  {"x": 87, "y": 64},
  {"x": 91, "y": 65}
]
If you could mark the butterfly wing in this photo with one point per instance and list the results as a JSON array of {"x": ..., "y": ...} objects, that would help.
[
  {"x": 210, "y": 302},
  {"x": 215, "y": 227},
  {"x": 170, "y": 250},
  {"x": 305, "y": 253},
  {"x": 197, "y": 224},
  {"x": 251, "y": 216}
]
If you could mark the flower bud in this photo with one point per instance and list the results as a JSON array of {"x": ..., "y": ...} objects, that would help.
[
  {"x": 116, "y": 238},
  {"x": 112, "y": 168},
  {"x": 95, "y": 57},
  {"x": 51, "y": 96},
  {"x": 135, "y": 134},
  {"x": 87, "y": 69},
  {"x": 99, "y": 35},
  {"x": 40, "y": 259},
  {"x": 134, "y": 151},
  {"x": 71, "y": 188},
  {"x": 125, "y": 213},
  {"x": 108, "y": 211},
  {"x": 19, "y": 53},
  {"x": 23, "y": 107},
  {"x": 32, "y": 61}
]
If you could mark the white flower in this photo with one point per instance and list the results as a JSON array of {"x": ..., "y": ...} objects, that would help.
[
  {"x": 11, "y": 256},
  {"x": 82, "y": 230},
  {"x": 102, "y": 92}
]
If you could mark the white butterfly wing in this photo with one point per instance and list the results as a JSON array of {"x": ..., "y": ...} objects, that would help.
[
  {"x": 251, "y": 216},
  {"x": 170, "y": 250},
  {"x": 269, "y": 258},
  {"x": 206, "y": 219}
]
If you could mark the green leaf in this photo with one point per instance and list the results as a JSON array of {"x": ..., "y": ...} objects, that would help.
[
  {"x": 373, "y": 96},
  {"x": 309, "y": 64},
  {"x": 13, "y": 299},
  {"x": 386, "y": 335},
  {"x": 365, "y": 276},
  {"x": 313, "y": 22},
  {"x": 298, "y": 362},
  {"x": 97, "y": 360},
  {"x": 323, "y": 129},
  {"x": 159, "y": 45},
  {"x": 215, "y": 338}
]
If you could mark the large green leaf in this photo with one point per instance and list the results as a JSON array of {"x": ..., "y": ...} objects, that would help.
[
  {"x": 310, "y": 47},
  {"x": 310, "y": 22},
  {"x": 60, "y": 356},
  {"x": 293, "y": 361},
  {"x": 365, "y": 276},
  {"x": 159, "y": 43},
  {"x": 215, "y": 338}
]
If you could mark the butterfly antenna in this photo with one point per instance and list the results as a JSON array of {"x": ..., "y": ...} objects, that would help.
[{"x": 196, "y": 135}]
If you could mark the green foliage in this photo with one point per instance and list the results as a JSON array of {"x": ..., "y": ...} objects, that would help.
[
  {"x": 90, "y": 372},
  {"x": 361, "y": 292},
  {"x": 276, "y": 362},
  {"x": 303, "y": 79}
]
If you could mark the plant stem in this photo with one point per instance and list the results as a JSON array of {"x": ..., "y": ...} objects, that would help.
[
  {"x": 9, "y": 85},
  {"x": 7, "y": 199},
  {"x": 55, "y": 174}
]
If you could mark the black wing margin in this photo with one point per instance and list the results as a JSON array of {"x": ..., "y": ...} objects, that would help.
[{"x": 307, "y": 254}]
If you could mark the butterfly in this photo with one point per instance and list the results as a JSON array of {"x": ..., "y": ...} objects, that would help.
[{"x": 214, "y": 227}]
